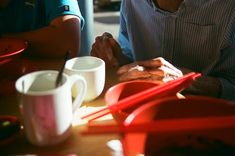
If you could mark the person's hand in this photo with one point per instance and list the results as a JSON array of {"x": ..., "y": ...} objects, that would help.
[
  {"x": 157, "y": 69},
  {"x": 107, "y": 48}
]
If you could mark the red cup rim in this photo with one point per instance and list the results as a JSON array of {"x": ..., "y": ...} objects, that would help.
[{"x": 17, "y": 46}]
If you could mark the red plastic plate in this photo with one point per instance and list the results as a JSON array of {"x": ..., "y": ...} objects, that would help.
[
  {"x": 194, "y": 140},
  {"x": 11, "y": 47}
]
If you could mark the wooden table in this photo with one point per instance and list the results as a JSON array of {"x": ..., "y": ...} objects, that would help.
[{"x": 82, "y": 145}]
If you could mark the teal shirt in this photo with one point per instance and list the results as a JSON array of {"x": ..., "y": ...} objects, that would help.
[{"x": 26, "y": 15}]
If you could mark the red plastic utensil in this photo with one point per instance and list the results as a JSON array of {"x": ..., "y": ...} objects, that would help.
[
  {"x": 164, "y": 126},
  {"x": 158, "y": 91}
]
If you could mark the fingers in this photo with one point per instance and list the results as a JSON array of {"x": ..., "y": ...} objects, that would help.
[
  {"x": 112, "y": 45},
  {"x": 110, "y": 58},
  {"x": 156, "y": 69},
  {"x": 103, "y": 49},
  {"x": 169, "y": 66},
  {"x": 126, "y": 68},
  {"x": 107, "y": 35},
  {"x": 154, "y": 63},
  {"x": 160, "y": 62},
  {"x": 136, "y": 72},
  {"x": 97, "y": 47},
  {"x": 164, "y": 71},
  {"x": 139, "y": 72}
]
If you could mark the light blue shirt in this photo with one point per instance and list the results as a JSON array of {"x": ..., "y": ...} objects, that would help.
[
  {"x": 26, "y": 15},
  {"x": 199, "y": 36}
]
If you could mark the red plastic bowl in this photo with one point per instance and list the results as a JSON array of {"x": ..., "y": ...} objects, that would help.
[
  {"x": 123, "y": 90},
  {"x": 11, "y": 48},
  {"x": 182, "y": 142}
]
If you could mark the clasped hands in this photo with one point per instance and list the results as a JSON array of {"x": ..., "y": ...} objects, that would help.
[{"x": 157, "y": 69}]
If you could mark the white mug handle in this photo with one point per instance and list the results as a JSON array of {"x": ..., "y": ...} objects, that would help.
[{"x": 79, "y": 89}]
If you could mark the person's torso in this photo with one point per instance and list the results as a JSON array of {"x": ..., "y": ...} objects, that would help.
[
  {"x": 22, "y": 15},
  {"x": 191, "y": 37},
  {"x": 26, "y": 15}
]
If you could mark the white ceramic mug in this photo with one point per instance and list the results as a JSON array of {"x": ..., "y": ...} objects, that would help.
[
  {"x": 48, "y": 110},
  {"x": 92, "y": 69}
]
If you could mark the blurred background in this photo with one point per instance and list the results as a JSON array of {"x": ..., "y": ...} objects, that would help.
[
  {"x": 105, "y": 3},
  {"x": 106, "y": 16},
  {"x": 100, "y": 16}
]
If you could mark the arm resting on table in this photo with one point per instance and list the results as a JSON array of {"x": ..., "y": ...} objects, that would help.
[{"x": 62, "y": 34}]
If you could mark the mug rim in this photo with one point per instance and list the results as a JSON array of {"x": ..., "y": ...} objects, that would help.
[
  {"x": 73, "y": 60},
  {"x": 39, "y": 93}
]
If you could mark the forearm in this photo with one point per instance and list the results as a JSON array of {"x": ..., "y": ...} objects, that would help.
[
  {"x": 228, "y": 89},
  {"x": 53, "y": 40},
  {"x": 206, "y": 86}
]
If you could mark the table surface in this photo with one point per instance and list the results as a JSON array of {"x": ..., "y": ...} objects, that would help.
[{"x": 78, "y": 144}]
